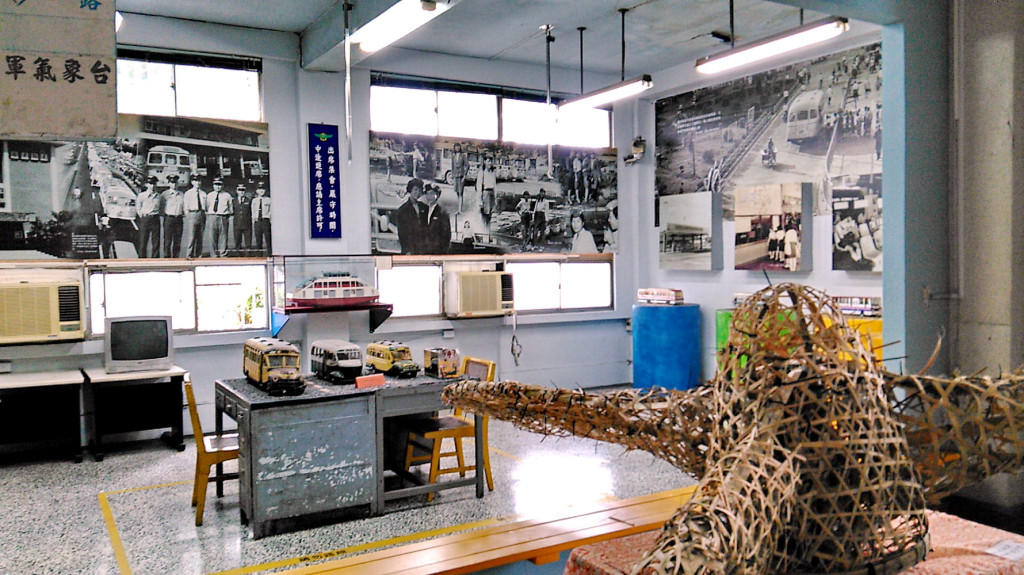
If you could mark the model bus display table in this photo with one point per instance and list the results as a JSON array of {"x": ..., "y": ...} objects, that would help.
[
  {"x": 38, "y": 409},
  {"x": 133, "y": 401},
  {"x": 958, "y": 546},
  {"x": 313, "y": 456}
]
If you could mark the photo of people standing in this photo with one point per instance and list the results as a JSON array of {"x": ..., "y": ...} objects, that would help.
[
  {"x": 143, "y": 195},
  {"x": 479, "y": 187}
]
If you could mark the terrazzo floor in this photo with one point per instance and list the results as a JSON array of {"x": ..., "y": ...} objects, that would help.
[{"x": 131, "y": 513}]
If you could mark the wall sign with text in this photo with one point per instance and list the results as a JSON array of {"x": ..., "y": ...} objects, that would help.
[
  {"x": 324, "y": 181},
  {"x": 58, "y": 76}
]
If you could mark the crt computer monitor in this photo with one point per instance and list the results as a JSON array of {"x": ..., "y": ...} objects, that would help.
[{"x": 141, "y": 343}]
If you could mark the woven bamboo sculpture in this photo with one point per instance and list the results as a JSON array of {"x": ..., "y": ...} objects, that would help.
[{"x": 812, "y": 459}]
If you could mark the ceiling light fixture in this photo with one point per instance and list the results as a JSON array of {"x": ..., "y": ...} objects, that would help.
[
  {"x": 774, "y": 45},
  {"x": 395, "y": 22},
  {"x": 611, "y": 93},
  {"x": 618, "y": 91}
]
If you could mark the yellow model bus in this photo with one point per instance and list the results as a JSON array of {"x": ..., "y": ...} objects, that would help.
[
  {"x": 273, "y": 365},
  {"x": 391, "y": 358}
]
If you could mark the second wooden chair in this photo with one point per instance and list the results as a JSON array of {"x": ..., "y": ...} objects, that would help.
[{"x": 426, "y": 435}]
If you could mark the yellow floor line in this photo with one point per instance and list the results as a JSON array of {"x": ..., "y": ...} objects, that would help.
[
  {"x": 505, "y": 454},
  {"x": 115, "y": 537},
  {"x": 335, "y": 553}
]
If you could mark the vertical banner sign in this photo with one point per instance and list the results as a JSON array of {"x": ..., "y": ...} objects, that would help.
[
  {"x": 57, "y": 69},
  {"x": 324, "y": 182}
]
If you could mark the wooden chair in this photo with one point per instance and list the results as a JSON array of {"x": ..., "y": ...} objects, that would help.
[
  {"x": 426, "y": 435},
  {"x": 210, "y": 450}
]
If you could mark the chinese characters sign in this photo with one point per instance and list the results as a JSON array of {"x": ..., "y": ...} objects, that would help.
[
  {"x": 57, "y": 69},
  {"x": 324, "y": 182}
]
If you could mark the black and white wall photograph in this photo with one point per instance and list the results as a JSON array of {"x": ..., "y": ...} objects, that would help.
[
  {"x": 857, "y": 227},
  {"x": 685, "y": 231},
  {"x": 440, "y": 195},
  {"x": 147, "y": 194},
  {"x": 815, "y": 121},
  {"x": 769, "y": 229}
]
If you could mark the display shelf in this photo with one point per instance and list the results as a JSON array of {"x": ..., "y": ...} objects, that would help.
[
  {"x": 379, "y": 312},
  {"x": 320, "y": 284}
]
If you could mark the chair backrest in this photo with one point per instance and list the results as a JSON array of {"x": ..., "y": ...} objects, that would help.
[
  {"x": 476, "y": 368},
  {"x": 197, "y": 429}
]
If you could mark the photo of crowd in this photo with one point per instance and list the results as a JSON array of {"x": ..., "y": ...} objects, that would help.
[{"x": 442, "y": 196}]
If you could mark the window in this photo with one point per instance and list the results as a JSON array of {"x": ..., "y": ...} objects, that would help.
[
  {"x": 208, "y": 298},
  {"x": 222, "y": 89},
  {"x": 416, "y": 289},
  {"x": 470, "y": 114}
]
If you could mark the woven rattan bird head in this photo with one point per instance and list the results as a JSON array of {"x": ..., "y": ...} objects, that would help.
[{"x": 811, "y": 458}]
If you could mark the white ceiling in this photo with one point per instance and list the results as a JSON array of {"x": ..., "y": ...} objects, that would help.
[{"x": 658, "y": 33}]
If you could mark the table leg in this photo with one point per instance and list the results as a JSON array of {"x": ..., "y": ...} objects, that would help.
[
  {"x": 219, "y": 427},
  {"x": 478, "y": 441}
]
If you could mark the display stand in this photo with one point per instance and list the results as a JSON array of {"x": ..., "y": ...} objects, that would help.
[
  {"x": 37, "y": 409},
  {"x": 134, "y": 401},
  {"x": 666, "y": 346}
]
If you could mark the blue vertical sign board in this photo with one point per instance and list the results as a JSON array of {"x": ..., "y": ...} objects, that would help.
[{"x": 324, "y": 182}]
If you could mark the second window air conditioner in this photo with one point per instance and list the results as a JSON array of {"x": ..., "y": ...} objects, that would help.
[
  {"x": 478, "y": 294},
  {"x": 36, "y": 310}
]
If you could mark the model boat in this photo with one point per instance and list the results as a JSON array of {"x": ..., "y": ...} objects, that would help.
[{"x": 335, "y": 289}]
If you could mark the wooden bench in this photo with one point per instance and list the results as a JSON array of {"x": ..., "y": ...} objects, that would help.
[{"x": 537, "y": 540}]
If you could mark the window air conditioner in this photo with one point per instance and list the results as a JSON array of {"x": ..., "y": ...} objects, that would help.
[
  {"x": 478, "y": 294},
  {"x": 42, "y": 310}
]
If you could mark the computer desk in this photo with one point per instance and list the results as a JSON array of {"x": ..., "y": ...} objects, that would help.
[{"x": 316, "y": 455}]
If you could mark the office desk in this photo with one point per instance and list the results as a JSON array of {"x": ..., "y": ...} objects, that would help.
[
  {"x": 315, "y": 455},
  {"x": 41, "y": 407},
  {"x": 133, "y": 401}
]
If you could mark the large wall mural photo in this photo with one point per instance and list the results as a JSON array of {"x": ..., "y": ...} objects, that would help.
[
  {"x": 442, "y": 196},
  {"x": 163, "y": 188},
  {"x": 816, "y": 122}
]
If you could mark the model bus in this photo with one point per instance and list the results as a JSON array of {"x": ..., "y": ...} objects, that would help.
[
  {"x": 391, "y": 358},
  {"x": 272, "y": 365},
  {"x": 660, "y": 295},
  {"x": 803, "y": 119},
  {"x": 336, "y": 360}
]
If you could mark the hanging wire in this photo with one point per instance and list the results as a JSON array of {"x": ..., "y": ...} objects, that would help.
[
  {"x": 348, "y": 85},
  {"x": 623, "y": 34},
  {"x": 548, "y": 39},
  {"x": 581, "y": 29}
]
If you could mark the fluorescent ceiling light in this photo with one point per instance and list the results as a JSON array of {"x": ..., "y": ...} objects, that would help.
[
  {"x": 773, "y": 45},
  {"x": 612, "y": 93},
  {"x": 395, "y": 22}
]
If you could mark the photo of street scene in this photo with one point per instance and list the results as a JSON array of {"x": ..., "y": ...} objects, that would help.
[
  {"x": 817, "y": 121},
  {"x": 164, "y": 188},
  {"x": 857, "y": 228},
  {"x": 684, "y": 234},
  {"x": 458, "y": 196},
  {"x": 769, "y": 230}
]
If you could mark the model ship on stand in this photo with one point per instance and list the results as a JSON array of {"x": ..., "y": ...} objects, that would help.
[{"x": 334, "y": 289}]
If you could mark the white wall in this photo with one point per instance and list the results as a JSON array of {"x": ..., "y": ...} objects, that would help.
[{"x": 582, "y": 349}]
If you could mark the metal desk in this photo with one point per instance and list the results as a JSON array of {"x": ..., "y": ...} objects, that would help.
[{"x": 308, "y": 456}]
